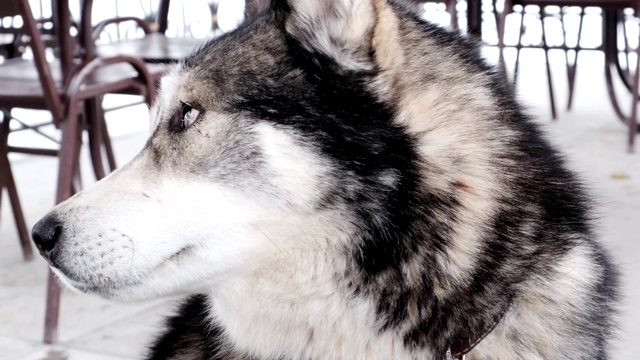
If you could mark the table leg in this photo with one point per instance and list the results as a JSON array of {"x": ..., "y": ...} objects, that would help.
[
  {"x": 474, "y": 18},
  {"x": 163, "y": 16}
]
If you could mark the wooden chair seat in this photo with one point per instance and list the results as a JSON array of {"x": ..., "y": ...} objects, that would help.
[
  {"x": 154, "y": 48},
  {"x": 21, "y": 84}
]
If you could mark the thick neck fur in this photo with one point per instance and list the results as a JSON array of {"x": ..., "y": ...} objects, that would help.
[{"x": 297, "y": 303}]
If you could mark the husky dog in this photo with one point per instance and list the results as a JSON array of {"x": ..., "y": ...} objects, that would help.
[{"x": 339, "y": 179}]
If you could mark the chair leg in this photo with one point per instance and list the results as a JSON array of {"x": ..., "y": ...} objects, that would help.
[
  {"x": 453, "y": 12},
  {"x": 633, "y": 118},
  {"x": 501, "y": 24},
  {"x": 69, "y": 156},
  {"x": 18, "y": 215},
  {"x": 552, "y": 99},
  {"x": 53, "y": 309},
  {"x": 99, "y": 139},
  {"x": 69, "y": 153},
  {"x": 516, "y": 67},
  {"x": 572, "y": 68},
  {"x": 106, "y": 139},
  {"x": 7, "y": 181},
  {"x": 95, "y": 137},
  {"x": 108, "y": 148}
]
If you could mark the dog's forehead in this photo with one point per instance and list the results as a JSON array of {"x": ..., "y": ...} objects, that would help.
[
  {"x": 226, "y": 66},
  {"x": 245, "y": 47}
]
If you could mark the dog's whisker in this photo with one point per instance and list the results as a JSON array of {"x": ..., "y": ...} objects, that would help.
[{"x": 271, "y": 240}]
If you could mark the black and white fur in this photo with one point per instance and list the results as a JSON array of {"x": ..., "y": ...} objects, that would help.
[{"x": 340, "y": 180}]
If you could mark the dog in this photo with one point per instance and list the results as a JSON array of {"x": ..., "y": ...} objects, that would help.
[{"x": 339, "y": 179}]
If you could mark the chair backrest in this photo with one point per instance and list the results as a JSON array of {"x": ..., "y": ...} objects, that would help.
[
  {"x": 634, "y": 4},
  {"x": 8, "y": 9},
  {"x": 51, "y": 94}
]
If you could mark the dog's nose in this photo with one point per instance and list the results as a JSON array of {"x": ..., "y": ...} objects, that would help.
[{"x": 45, "y": 234}]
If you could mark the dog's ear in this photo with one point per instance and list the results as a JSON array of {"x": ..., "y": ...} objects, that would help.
[{"x": 339, "y": 29}]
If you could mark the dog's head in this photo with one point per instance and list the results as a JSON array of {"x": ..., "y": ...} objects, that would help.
[{"x": 271, "y": 138}]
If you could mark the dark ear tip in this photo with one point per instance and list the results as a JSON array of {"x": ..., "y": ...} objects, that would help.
[
  {"x": 280, "y": 6},
  {"x": 280, "y": 10}
]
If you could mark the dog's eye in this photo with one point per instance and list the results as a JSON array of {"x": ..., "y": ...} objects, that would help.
[{"x": 188, "y": 115}]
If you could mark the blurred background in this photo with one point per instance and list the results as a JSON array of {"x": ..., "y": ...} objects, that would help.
[{"x": 74, "y": 107}]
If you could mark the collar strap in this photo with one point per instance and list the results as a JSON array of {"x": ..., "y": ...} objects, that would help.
[{"x": 460, "y": 348}]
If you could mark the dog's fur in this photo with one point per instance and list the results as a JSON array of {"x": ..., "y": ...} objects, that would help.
[{"x": 357, "y": 185}]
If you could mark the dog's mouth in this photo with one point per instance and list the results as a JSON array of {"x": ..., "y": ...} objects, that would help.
[
  {"x": 88, "y": 287},
  {"x": 72, "y": 283}
]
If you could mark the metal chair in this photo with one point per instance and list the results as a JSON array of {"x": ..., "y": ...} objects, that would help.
[
  {"x": 611, "y": 9},
  {"x": 63, "y": 87}
]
